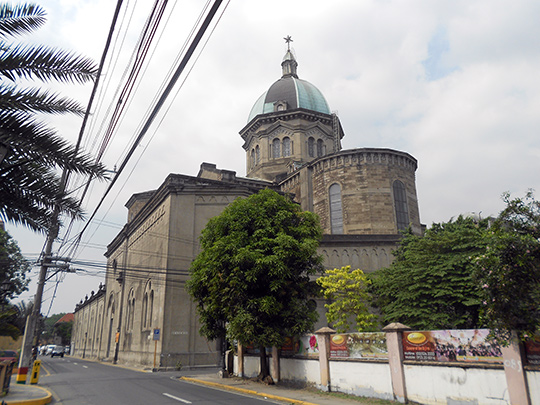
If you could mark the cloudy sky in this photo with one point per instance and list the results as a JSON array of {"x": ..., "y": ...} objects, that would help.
[{"x": 453, "y": 83}]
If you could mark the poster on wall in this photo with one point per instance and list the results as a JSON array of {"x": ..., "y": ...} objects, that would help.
[
  {"x": 308, "y": 345},
  {"x": 365, "y": 345},
  {"x": 467, "y": 345}
]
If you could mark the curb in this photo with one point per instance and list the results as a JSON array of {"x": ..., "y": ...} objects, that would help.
[
  {"x": 38, "y": 401},
  {"x": 245, "y": 391}
]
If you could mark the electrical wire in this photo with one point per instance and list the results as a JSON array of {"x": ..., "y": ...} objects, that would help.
[
  {"x": 157, "y": 107},
  {"x": 136, "y": 272}
]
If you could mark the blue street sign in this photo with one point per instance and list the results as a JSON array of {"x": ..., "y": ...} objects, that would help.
[{"x": 156, "y": 334}]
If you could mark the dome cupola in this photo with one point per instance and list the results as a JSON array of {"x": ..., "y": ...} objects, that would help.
[
  {"x": 289, "y": 126},
  {"x": 290, "y": 92}
]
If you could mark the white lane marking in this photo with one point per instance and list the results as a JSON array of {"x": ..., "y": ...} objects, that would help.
[
  {"x": 185, "y": 401},
  {"x": 76, "y": 364},
  {"x": 85, "y": 366}
]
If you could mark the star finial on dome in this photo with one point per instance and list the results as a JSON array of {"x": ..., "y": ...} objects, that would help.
[{"x": 288, "y": 39}]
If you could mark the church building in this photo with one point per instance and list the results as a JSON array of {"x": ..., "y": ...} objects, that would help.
[{"x": 364, "y": 197}]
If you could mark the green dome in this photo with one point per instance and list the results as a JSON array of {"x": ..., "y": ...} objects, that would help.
[{"x": 297, "y": 93}]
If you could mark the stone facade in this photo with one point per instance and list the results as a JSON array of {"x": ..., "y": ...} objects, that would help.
[
  {"x": 147, "y": 267},
  {"x": 363, "y": 197}
]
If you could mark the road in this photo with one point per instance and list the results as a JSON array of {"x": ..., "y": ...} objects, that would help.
[{"x": 79, "y": 382}]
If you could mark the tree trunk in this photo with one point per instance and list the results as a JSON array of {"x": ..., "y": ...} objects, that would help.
[{"x": 263, "y": 363}]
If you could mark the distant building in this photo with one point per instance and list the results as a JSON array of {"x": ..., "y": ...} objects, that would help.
[
  {"x": 69, "y": 317},
  {"x": 364, "y": 198}
]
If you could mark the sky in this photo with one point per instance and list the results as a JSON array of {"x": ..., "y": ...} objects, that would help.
[{"x": 453, "y": 83}]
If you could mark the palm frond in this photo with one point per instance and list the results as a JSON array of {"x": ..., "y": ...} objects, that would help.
[
  {"x": 30, "y": 190},
  {"x": 20, "y": 18},
  {"x": 45, "y": 63},
  {"x": 30, "y": 139},
  {"x": 36, "y": 100},
  {"x": 31, "y": 193}
]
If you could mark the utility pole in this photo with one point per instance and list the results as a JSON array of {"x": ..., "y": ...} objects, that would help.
[
  {"x": 53, "y": 231},
  {"x": 31, "y": 322}
]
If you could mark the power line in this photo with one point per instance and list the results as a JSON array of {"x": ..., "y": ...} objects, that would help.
[{"x": 158, "y": 106}]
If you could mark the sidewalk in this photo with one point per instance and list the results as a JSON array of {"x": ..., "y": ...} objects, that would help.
[
  {"x": 34, "y": 395},
  {"x": 26, "y": 394},
  {"x": 278, "y": 392}
]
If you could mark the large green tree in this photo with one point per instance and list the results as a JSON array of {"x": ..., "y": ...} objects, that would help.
[
  {"x": 509, "y": 271},
  {"x": 29, "y": 185},
  {"x": 430, "y": 284},
  {"x": 251, "y": 280}
]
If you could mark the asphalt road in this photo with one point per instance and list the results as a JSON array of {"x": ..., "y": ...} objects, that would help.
[{"x": 80, "y": 382}]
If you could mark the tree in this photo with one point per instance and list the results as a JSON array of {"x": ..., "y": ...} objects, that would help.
[
  {"x": 63, "y": 330},
  {"x": 430, "y": 284},
  {"x": 348, "y": 296},
  {"x": 13, "y": 278},
  {"x": 251, "y": 280},
  {"x": 509, "y": 270},
  {"x": 49, "y": 329},
  {"x": 30, "y": 189},
  {"x": 13, "y": 268}
]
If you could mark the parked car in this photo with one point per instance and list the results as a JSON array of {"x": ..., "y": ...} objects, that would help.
[
  {"x": 67, "y": 349},
  {"x": 49, "y": 350},
  {"x": 57, "y": 351}
]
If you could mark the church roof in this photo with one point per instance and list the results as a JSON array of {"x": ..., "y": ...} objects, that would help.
[{"x": 297, "y": 93}]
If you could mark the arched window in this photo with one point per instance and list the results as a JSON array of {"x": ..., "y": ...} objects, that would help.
[
  {"x": 257, "y": 155},
  {"x": 150, "y": 308},
  {"x": 252, "y": 158},
  {"x": 145, "y": 310},
  {"x": 286, "y": 147},
  {"x": 130, "y": 310},
  {"x": 275, "y": 148},
  {"x": 148, "y": 301},
  {"x": 400, "y": 204},
  {"x": 311, "y": 147},
  {"x": 336, "y": 210},
  {"x": 320, "y": 148}
]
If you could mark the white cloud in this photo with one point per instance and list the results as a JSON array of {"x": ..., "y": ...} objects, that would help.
[{"x": 473, "y": 127}]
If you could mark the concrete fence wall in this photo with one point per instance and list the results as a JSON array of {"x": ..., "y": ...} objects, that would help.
[
  {"x": 361, "y": 378},
  {"x": 405, "y": 380}
]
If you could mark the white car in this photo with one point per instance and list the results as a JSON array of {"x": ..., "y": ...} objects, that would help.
[{"x": 57, "y": 351}]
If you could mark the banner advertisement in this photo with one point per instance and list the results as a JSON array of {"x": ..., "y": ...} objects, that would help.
[
  {"x": 467, "y": 345},
  {"x": 361, "y": 345},
  {"x": 307, "y": 345}
]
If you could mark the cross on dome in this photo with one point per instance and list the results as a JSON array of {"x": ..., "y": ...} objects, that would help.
[{"x": 288, "y": 39}]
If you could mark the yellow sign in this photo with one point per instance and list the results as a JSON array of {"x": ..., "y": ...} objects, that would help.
[
  {"x": 35, "y": 372},
  {"x": 117, "y": 337}
]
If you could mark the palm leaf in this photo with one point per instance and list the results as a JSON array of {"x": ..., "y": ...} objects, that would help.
[
  {"x": 44, "y": 63},
  {"x": 19, "y": 19},
  {"x": 30, "y": 139},
  {"x": 30, "y": 194},
  {"x": 35, "y": 100}
]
